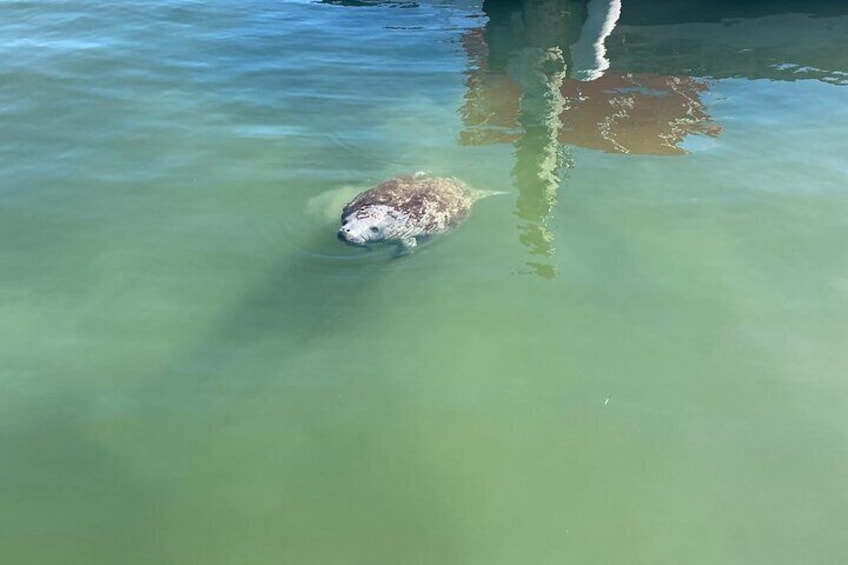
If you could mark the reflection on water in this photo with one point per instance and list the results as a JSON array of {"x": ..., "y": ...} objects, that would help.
[
  {"x": 538, "y": 80},
  {"x": 783, "y": 40},
  {"x": 526, "y": 43},
  {"x": 636, "y": 113},
  {"x": 589, "y": 52},
  {"x": 640, "y": 113}
]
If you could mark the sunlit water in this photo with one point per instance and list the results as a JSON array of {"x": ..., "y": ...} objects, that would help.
[{"x": 636, "y": 355}]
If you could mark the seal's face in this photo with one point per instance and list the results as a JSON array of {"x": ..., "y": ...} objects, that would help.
[{"x": 367, "y": 225}]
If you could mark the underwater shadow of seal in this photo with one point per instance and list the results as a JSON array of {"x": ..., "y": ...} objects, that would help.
[{"x": 312, "y": 287}]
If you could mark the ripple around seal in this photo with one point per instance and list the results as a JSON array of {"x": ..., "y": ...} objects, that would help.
[
  {"x": 316, "y": 250},
  {"x": 322, "y": 248},
  {"x": 312, "y": 233},
  {"x": 315, "y": 242}
]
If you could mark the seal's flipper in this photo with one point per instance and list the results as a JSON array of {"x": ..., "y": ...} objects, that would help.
[{"x": 405, "y": 246}]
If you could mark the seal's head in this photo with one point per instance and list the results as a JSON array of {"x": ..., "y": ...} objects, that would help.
[{"x": 370, "y": 224}]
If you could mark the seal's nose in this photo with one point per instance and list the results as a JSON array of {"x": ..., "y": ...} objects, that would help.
[{"x": 341, "y": 236}]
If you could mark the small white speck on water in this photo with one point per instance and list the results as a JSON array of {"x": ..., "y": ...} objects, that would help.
[{"x": 607, "y": 399}]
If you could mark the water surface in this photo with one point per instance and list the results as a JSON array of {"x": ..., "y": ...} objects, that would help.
[{"x": 636, "y": 355}]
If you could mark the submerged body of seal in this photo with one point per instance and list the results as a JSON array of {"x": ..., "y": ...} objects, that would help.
[{"x": 405, "y": 208}]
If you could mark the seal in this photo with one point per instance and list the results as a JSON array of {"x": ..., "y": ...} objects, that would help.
[{"x": 406, "y": 208}]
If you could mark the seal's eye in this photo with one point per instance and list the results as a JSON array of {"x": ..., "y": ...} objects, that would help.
[{"x": 374, "y": 229}]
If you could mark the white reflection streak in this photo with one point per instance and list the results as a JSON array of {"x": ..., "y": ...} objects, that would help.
[{"x": 589, "y": 53}]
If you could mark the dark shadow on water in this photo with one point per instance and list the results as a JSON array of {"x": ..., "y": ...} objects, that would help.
[
  {"x": 315, "y": 291},
  {"x": 340, "y": 469}
]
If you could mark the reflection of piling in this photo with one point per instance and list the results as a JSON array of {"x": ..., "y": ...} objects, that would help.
[
  {"x": 523, "y": 89},
  {"x": 538, "y": 164},
  {"x": 529, "y": 41}
]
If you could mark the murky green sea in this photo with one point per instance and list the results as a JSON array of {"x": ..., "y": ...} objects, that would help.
[{"x": 637, "y": 355}]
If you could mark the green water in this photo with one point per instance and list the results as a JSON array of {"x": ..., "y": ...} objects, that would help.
[{"x": 629, "y": 358}]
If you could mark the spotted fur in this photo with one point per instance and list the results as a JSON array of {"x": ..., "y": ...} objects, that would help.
[{"x": 405, "y": 208}]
